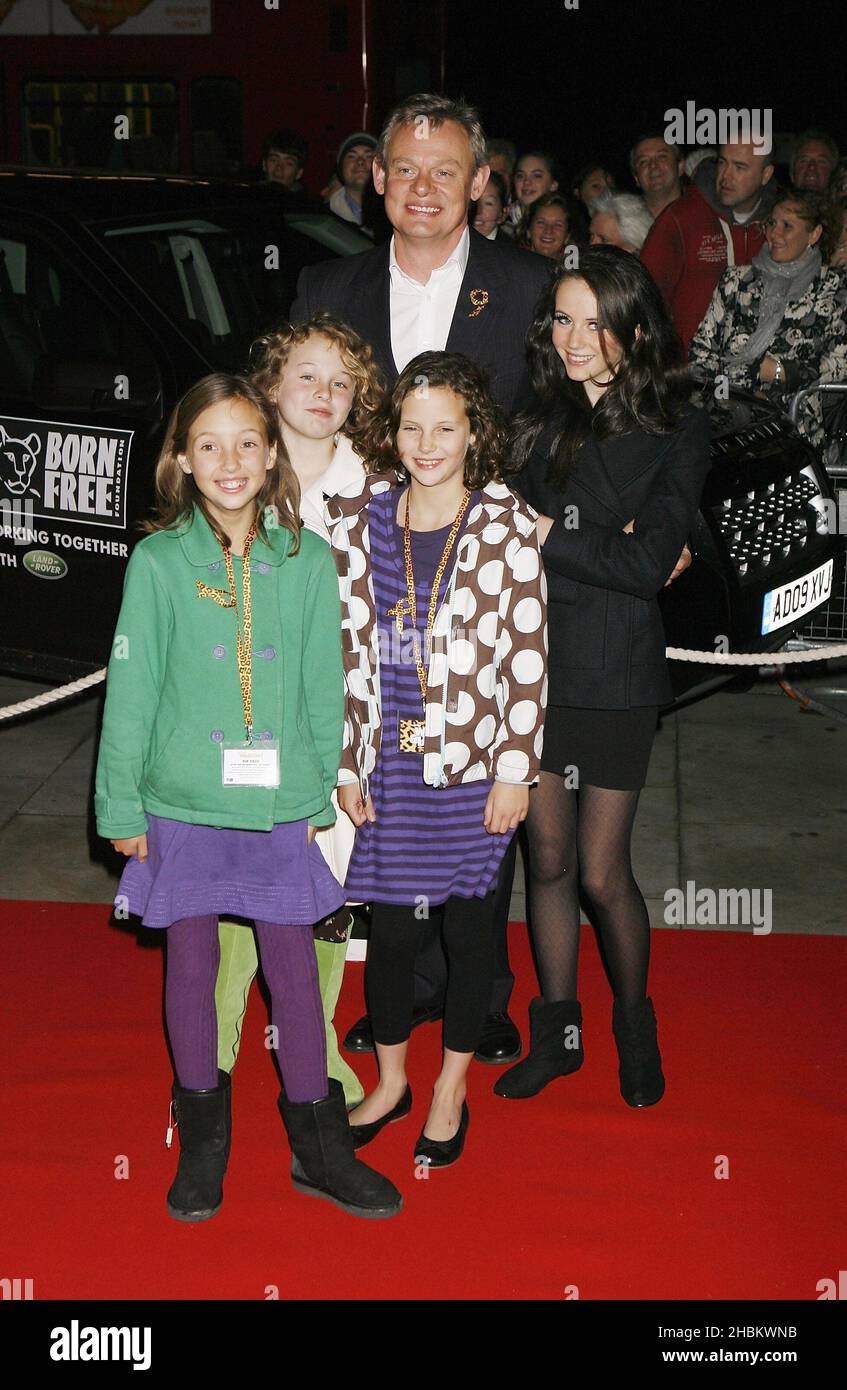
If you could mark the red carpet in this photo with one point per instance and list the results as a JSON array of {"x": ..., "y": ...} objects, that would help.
[{"x": 572, "y": 1188}]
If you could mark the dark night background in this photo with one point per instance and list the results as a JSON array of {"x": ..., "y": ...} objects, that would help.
[{"x": 585, "y": 82}]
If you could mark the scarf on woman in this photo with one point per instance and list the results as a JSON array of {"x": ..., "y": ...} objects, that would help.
[{"x": 780, "y": 285}]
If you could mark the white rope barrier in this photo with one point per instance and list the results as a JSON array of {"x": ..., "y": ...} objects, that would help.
[
  {"x": 49, "y": 697},
  {"x": 823, "y": 653}
]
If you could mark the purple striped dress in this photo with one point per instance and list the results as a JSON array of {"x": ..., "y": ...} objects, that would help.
[{"x": 426, "y": 841}]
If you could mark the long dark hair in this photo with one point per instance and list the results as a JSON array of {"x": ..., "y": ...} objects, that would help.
[{"x": 650, "y": 387}]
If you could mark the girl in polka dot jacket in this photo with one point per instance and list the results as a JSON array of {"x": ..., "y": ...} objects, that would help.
[{"x": 444, "y": 640}]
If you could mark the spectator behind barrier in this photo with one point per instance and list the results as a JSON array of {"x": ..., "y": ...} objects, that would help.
[
  {"x": 620, "y": 219},
  {"x": 536, "y": 173},
  {"x": 779, "y": 324},
  {"x": 592, "y": 181},
  {"x": 284, "y": 159},
  {"x": 502, "y": 156},
  {"x": 491, "y": 207},
  {"x": 353, "y": 167},
  {"x": 838, "y": 247},
  {"x": 549, "y": 226},
  {"x": 686, "y": 249},
  {"x": 837, "y": 189},
  {"x": 814, "y": 158},
  {"x": 657, "y": 168}
]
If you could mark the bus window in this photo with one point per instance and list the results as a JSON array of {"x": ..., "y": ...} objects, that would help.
[
  {"x": 75, "y": 124},
  {"x": 217, "y": 126}
]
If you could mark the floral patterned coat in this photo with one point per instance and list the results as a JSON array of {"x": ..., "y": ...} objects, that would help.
[
  {"x": 487, "y": 686},
  {"x": 811, "y": 341}
]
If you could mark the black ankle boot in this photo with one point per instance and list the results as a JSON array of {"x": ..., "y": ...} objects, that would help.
[
  {"x": 204, "y": 1119},
  {"x": 642, "y": 1082},
  {"x": 555, "y": 1049},
  {"x": 324, "y": 1163}
]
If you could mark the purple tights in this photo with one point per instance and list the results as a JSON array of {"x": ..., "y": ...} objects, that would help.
[{"x": 287, "y": 955}]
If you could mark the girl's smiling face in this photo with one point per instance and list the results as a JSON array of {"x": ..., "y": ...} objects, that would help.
[
  {"x": 315, "y": 392},
  {"x": 433, "y": 438},
  {"x": 532, "y": 178},
  {"x": 227, "y": 453},
  {"x": 577, "y": 338}
]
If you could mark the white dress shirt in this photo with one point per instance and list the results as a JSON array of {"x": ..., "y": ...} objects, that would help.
[
  {"x": 421, "y": 315},
  {"x": 345, "y": 470}
]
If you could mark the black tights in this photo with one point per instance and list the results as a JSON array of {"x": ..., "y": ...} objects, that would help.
[
  {"x": 390, "y": 979},
  {"x": 583, "y": 837}
]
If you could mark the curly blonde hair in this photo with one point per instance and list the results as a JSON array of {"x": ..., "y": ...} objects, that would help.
[{"x": 271, "y": 352}]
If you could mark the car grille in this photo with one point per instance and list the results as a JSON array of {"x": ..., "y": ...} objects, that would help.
[{"x": 771, "y": 526}]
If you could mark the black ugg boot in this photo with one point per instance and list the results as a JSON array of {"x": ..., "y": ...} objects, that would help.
[
  {"x": 555, "y": 1049},
  {"x": 204, "y": 1119},
  {"x": 324, "y": 1163},
  {"x": 642, "y": 1082}
]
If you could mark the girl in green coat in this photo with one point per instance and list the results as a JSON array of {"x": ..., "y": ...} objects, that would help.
[
  {"x": 219, "y": 753},
  {"x": 322, "y": 380}
]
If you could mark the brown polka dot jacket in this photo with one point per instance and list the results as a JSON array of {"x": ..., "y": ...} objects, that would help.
[{"x": 487, "y": 674}]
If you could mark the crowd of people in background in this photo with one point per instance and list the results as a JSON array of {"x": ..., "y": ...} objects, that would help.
[{"x": 749, "y": 254}]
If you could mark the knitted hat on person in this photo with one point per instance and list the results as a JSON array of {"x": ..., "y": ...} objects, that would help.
[{"x": 359, "y": 137}]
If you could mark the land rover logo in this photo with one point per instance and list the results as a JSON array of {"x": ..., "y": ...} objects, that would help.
[{"x": 45, "y": 565}]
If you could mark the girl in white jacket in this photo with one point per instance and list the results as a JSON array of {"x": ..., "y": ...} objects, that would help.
[{"x": 326, "y": 386}]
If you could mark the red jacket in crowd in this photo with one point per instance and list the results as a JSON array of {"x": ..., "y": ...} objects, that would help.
[{"x": 687, "y": 251}]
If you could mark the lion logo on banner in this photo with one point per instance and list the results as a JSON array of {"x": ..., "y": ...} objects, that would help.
[{"x": 17, "y": 462}]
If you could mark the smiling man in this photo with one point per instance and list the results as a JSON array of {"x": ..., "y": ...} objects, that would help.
[
  {"x": 717, "y": 222},
  {"x": 438, "y": 284},
  {"x": 657, "y": 168}
]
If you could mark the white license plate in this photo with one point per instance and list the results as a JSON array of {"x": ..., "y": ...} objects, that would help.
[{"x": 792, "y": 601}]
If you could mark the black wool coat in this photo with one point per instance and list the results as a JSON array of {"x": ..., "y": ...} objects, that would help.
[{"x": 607, "y": 640}]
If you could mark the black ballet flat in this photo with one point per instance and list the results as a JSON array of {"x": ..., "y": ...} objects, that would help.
[
  {"x": 363, "y": 1134},
  {"x": 440, "y": 1153}
]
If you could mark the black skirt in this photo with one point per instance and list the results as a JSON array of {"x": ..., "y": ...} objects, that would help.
[{"x": 599, "y": 747}]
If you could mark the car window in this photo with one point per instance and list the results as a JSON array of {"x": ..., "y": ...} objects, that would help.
[
  {"x": 225, "y": 280},
  {"x": 61, "y": 346},
  {"x": 327, "y": 230}
]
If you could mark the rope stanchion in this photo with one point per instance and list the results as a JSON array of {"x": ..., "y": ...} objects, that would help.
[
  {"x": 824, "y": 653},
  {"x": 808, "y": 702}
]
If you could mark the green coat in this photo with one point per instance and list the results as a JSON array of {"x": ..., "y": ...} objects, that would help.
[{"x": 173, "y": 692}]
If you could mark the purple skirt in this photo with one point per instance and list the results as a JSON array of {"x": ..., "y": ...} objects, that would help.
[{"x": 201, "y": 871}]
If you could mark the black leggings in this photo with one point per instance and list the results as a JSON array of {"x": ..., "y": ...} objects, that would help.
[{"x": 390, "y": 976}]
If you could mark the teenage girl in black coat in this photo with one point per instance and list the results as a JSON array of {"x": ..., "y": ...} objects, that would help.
[{"x": 614, "y": 458}]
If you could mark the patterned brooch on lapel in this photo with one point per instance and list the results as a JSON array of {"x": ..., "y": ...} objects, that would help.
[{"x": 479, "y": 299}]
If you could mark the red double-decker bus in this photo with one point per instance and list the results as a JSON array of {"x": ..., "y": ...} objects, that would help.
[{"x": 181, "y": 86}]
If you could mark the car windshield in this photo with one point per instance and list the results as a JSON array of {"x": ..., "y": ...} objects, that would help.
[{"x": 225, "y": 279}]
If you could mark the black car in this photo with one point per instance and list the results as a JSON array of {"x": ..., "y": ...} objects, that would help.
[
  {"x": 116, "y": 294},
  {"x": 119, "y": 291}
]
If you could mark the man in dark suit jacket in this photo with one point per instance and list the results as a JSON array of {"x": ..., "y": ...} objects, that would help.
[
  {"x": 493, "y": 299},
  {"x": 438, "y": 284},
  {"x": 356, "y": 289}
]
